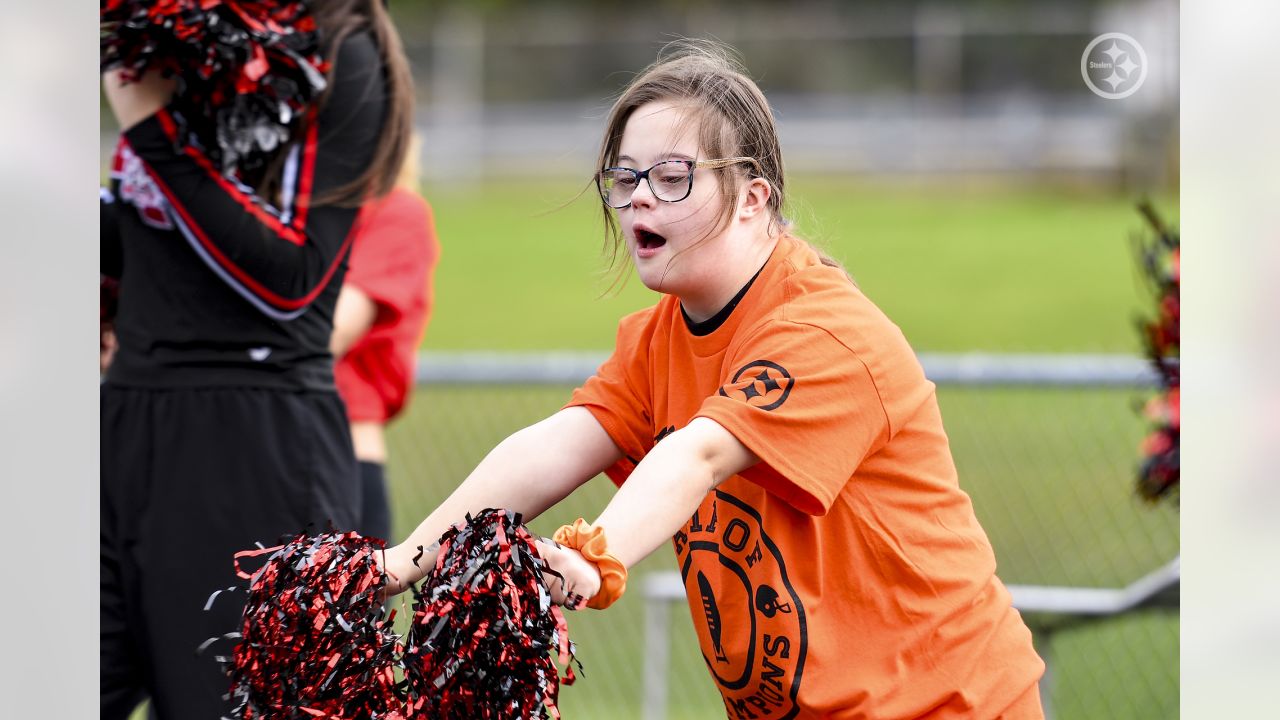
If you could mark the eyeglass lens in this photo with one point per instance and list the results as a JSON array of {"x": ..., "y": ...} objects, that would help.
[{"x": 669, "y": 181}]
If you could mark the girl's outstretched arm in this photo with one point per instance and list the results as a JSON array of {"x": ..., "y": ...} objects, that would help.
[
  {"x": 528, "y": 472},
  {"x": 668, "y": 485}
]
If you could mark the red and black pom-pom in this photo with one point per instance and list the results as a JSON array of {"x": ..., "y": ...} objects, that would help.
[
  {"x": 248, "y": 71},
  {"x": 484, "y": 628},
  {"x": 1159, "y": 257},
  {"x": 315, "y": 641}
]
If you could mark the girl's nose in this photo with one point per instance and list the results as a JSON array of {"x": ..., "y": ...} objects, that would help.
[{"x": 643, "y": 196}]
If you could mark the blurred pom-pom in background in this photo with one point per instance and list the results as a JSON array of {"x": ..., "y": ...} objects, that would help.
[
  {"x": 248, "y": 71},
  {"x": 1159, "y": 258}
]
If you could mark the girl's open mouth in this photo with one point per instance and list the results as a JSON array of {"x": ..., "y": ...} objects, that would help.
[{"x": 648, "y": 243}]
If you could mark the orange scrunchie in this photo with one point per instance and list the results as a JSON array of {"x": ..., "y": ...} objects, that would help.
[{"x": 590, "y": 541}]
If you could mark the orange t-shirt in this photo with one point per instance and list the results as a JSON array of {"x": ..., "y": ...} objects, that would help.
[{"x": 846, "y": 574}]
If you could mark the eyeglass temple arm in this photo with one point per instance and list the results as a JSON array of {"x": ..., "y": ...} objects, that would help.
[{"x": 726, "y": 162}]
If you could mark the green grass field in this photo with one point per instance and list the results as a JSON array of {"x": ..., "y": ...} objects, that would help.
[{"x": 959, "y": 269}]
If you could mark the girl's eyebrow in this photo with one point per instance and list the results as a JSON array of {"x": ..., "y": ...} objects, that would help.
[{"x": 668, "y": 156}]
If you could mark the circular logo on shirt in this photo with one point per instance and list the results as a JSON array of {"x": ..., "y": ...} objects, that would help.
[
  {"x": 760, "y": 384},
  {"x": 749, "y": 620}
]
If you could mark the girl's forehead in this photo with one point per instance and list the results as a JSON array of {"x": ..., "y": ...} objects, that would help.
[{"x": 661, "y": 128}]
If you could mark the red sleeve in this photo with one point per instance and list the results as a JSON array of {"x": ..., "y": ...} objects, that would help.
[
  {"x": 806, "y": 405},
  {"x": 394, "y": 252},
  {"x": 619, "y": 395}
]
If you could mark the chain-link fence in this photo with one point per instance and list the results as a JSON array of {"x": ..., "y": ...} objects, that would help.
[{"x": 1045, "y": 446}]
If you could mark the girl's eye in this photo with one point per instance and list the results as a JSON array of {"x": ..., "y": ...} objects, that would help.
[
  {"x": 674, "y": 176},
  {"x": 621, "y": 179}
]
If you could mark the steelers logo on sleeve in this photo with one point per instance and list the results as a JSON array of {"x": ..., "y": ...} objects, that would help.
[{"x": 761, "y": 384}]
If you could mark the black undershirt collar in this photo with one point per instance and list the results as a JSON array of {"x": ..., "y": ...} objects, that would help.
[{"x": 713, "y": 323}]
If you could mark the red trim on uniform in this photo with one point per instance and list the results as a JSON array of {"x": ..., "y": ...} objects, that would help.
[
  {"x": 302, "y": 199},
  {"x": 248, "y": 281},
  {"x": 289, "y": 234}
]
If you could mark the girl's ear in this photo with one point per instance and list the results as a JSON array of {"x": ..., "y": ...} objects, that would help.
[{"x": 753, "y": 199}]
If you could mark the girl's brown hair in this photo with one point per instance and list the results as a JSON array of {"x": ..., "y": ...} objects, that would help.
[
  {"x": 337, "y": 19},
  {"x": 733, "y": 118}
]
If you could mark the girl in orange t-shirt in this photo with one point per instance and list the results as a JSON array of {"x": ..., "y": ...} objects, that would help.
[{"x": 767, "y": 419}]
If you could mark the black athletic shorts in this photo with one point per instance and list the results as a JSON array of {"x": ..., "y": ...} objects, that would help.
[
  {"x": 375, "y": 512},
  {"x": 189, "y": 477}
]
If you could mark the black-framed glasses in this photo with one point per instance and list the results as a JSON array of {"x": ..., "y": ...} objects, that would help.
[{"x": 669, "y": 180}]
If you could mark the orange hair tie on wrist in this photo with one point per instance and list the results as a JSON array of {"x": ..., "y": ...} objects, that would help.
[{"x": 590, "y": 541}]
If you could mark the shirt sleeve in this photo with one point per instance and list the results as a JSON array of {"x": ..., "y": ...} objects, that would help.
[
  {"x": 394, "y": 251},
  {"x": 804, "y": 403},
  {"x": 280, "y": 258},
  {"x": 619, "y": 395}
]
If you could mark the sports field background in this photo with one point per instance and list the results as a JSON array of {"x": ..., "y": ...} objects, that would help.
[{"x": 959, "y": 268}]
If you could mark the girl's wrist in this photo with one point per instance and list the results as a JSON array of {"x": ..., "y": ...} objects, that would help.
[
  {"x": 135, "y": 101},
  {"x": 571, "y": 578},
  {"x": 400, "y": 569},
  {"x": 588, "y": 543}
]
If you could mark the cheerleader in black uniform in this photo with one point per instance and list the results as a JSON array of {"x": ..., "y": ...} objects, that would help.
[{"x": 220, "y": 422}]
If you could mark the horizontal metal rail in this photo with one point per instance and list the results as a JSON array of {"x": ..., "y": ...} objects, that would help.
[
  {"x": 967, "y": 369},
  {"x": 1155, "y": 590}
]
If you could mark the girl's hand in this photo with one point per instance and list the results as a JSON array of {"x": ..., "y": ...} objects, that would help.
[
  {"x": 134, "y": 102},
  {"x": 579, "y": 579},
  {"x": 401, "y": 571}
]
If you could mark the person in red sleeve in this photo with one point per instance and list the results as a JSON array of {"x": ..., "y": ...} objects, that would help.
[{"x": 379, "y": 322}]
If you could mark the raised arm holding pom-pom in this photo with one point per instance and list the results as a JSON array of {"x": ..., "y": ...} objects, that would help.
[{"x": 133, "y": 102}]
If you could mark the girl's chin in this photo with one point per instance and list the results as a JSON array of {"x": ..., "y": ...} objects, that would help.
[
  {"x": 653, "y": 283},
  {"x": 652, "y": 277}
]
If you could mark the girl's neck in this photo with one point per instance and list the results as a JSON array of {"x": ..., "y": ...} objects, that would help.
[{"x": 712, "y": 296}]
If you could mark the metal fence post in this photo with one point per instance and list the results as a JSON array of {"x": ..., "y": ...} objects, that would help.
[
  {"x": 657, "y": 651},
  {"x": 1043, "y": 640}
]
